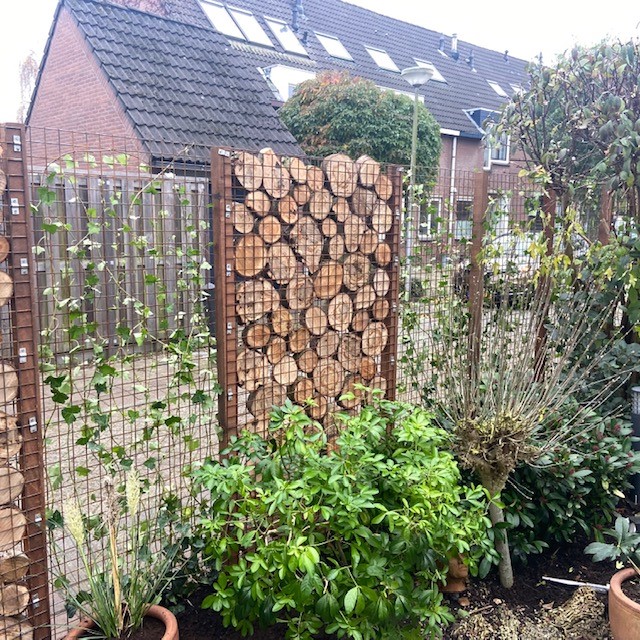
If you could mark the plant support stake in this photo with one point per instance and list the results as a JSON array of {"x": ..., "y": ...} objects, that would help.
[{"x": 600, "y": 588}]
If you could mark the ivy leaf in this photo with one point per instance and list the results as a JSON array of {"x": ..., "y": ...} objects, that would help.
[{"x": 69, "y": 413}]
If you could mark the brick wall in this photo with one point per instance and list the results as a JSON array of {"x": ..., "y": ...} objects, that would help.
[{"x": 73, "y": 93}]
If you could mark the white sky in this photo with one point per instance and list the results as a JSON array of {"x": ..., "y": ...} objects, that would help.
[{"x": 525, "y": 29}]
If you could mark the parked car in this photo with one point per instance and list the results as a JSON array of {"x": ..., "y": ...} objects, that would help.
[{"x": 508, "y": 266}]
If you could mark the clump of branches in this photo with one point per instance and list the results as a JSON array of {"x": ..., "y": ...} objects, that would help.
[{"x": 533, "y": 353}]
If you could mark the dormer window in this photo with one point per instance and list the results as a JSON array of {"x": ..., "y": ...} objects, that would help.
[
  {"x": 285, "y": 36},
  {"x": 235, "y": 23},
  {"x": 437, "y": 76},
  {"x": 497, "y": 88},
  {"x": 382, "y": 59},
  {"x": 334, "y": 47}
]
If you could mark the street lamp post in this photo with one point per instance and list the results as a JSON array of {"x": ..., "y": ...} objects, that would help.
[
  {"x": 635, "y": 422},
  {"x": 416, "y": 77}
]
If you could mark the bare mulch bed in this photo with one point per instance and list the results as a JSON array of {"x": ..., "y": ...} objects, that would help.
[{"x": 533, "y": 610}]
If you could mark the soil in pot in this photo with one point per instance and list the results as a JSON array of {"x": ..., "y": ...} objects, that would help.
[
  {"x": 631, "y": 589},
  {"x": 151, "y": 630}
]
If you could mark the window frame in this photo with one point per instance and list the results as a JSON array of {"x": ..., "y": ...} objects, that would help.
[
  {"x": 227, "y": 18},
  {"x": 437, "y": 76},
  {"x": 253, "y": 23},
  {"x": 374, "y": 50},
  {"x": 497, "y": 88},
  {"x": 298, "y": 49},
  {"x": 337, "y": 41},
  {"x": 457, "y": 235},
  {"x": 429, "y": 216}
]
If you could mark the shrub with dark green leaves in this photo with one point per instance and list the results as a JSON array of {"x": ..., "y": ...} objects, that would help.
[
  {"x": 573, "y": 491},
  {"x": 350, "y": 538}
]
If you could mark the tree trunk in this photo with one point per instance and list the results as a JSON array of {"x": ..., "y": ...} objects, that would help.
[{"x": 495, "y": 486}]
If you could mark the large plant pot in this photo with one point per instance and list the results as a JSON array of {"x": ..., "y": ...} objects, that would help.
[
  {"x": 624, "y": 613},
  {"x": 155, "y": 611},
  {"x": 457, "y": 577}
]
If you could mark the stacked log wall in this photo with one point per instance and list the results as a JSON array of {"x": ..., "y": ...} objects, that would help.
[{"x": 306, "y": 283}]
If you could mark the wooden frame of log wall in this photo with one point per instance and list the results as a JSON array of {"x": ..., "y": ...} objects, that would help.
[
  {"x": 307, "y": 279},
  {"x": 27, "y": 584}
]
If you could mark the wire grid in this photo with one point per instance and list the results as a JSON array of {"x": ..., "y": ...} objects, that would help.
[
  {"x": 123, "y": 253},
  {"x": 307, "y": 304},
  {"x": 500, "y": 210}
]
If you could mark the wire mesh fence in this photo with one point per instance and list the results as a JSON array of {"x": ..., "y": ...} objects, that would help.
[
  {"x": 325, "y": 283},
  {"x": 123, "y": 252}
]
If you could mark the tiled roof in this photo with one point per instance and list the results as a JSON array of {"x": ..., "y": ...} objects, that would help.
[
  {"x": 356, "y": 27},
  {"x": 180, "y": 84}
]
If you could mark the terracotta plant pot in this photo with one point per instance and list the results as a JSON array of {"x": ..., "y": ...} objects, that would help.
[
  {"x": 456, "y": 577},
  {"x": 624, "y": 613},
  {"x": 155, "y": 611}
]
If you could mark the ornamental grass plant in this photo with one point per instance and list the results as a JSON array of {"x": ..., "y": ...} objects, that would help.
[{"x": 128, "y": 555}]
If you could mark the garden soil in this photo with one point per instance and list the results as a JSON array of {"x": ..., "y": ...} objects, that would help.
[{"x": 534, "y": 609}]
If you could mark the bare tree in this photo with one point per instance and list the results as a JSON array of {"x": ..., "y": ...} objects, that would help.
[{"x": 28, "y": 74}]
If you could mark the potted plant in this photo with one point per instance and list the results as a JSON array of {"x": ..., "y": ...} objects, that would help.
[
  {"x": 128, "y": 564},
  {"x": 624, "y": 612}
]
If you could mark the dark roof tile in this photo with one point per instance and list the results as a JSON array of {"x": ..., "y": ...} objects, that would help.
[
  {"x": 356, "y": 28},
  {"x": 180, "y": 83}
]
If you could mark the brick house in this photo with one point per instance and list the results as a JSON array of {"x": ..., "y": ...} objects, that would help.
[{"x": 174, "y": 72}]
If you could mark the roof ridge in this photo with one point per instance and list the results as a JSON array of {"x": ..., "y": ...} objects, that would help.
[
  {"x": 119, "y": 7},
  {"x": 419, "y": 26}
]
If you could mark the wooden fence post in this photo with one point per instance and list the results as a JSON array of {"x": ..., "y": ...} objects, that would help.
[
  {"x": 606, "y": 214},
  {"x": 24, "y": 355},
  {"x": 225, "y": 302},
  {"x": 389, "y": 358},
  {"x": 549, "y": 203},
  {"x": 476, "y": 281}
]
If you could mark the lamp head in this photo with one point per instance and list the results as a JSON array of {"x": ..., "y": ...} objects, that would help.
[{"x": 418, "y": 76}]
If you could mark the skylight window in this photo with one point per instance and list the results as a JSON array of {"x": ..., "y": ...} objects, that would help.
[
  {"x": 498, "y": 89},
  {"x": 221, "y": 20},
  {"x": 382, "y": 59},
  {"x": 250, "y": 27},
  {"x": 235, "y": 23},
  {"x": 334, "y": 47},
  {"x": 285, "y": 36},
  {"x": 437, "y": 76}
]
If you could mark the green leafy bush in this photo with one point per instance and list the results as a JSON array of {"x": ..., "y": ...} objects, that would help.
[
  {"x": 573, "y": 490},
  {"x": 337, "y": 112},
  {"x": 350, "y": 537}
]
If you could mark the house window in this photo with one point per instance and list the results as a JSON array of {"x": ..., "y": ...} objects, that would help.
[
  {"x": 334, "y": 47},
  {"x": 533, "y": 209},
  {"x": 437, "y": 76},
  {"x": 382, "y": 59},
  {"x": 235, "y": 23},
  {"x": 250, "y": 27},
  {"x": 498, "y": 89},
  {"x": 498, "y": 212},
  {"x": 285, "y": 36},
  {"x": 464, "y": 219},
  {"x": 430, "y": 219},
  {"x": 497, "y": 152},
  {"x": 221, "y": 20}
]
